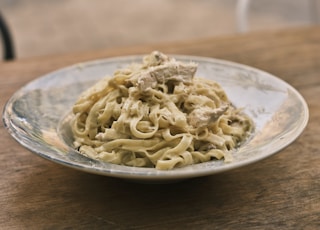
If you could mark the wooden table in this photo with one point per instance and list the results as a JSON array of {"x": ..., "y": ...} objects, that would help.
[{"x": 280, "y": 192}]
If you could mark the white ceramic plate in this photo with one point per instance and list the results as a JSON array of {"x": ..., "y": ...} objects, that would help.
[{"x": 36, "y": 115}]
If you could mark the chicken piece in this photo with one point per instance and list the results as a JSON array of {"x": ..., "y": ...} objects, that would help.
[
  {"x": 203, "y": 116},
  {"x": 161, "y": 74}
]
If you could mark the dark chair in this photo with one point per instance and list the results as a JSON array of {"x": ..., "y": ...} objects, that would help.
[{"x": 8, "y": 48}]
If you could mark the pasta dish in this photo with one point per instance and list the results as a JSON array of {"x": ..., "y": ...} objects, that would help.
[{"x": 157, "y": 114}]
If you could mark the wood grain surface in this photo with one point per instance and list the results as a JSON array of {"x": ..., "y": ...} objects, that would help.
[{"x": 280, "y": 192}]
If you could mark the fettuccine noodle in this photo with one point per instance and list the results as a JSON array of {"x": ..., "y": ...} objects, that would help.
[{"x": 157, "y": 114}]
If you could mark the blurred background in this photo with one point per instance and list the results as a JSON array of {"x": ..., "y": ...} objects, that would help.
[{"x": 48, "y": 27}]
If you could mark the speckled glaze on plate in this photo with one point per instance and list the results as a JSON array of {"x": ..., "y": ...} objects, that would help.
[{"x": 37, "y": 116}]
